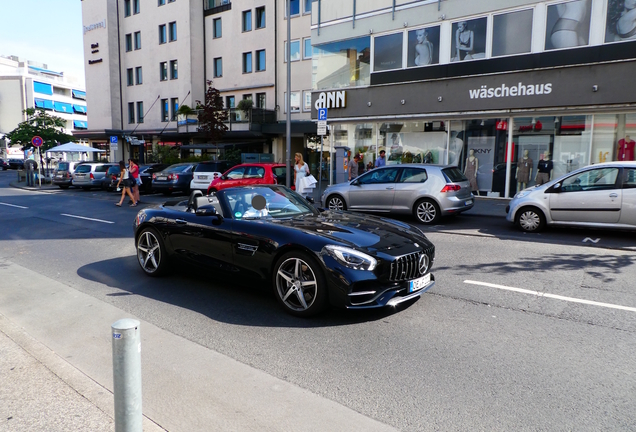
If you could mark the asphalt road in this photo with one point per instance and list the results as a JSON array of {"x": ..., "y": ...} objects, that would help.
[{"x": 520, "y": 332}]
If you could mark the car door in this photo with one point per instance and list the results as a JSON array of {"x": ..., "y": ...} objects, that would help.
[
  {"x": 591, "y": 196},
  {"x": 628, "y": 206},
  {"x": 254, "y": 175},
  {"x": 252, "y": 248},
  {"x": 204, "y": 239},
  {"x": 374, "y": 191},
  {"x": 410, "y": 185}
]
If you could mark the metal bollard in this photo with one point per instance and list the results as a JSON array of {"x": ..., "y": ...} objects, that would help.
[{"x": 127, "y": 375}]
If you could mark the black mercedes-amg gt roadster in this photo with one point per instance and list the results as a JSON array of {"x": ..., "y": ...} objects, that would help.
[{"x": 312, "y": 257}]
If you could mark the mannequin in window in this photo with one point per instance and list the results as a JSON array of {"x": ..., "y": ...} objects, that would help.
[
  {"x": 524, "y": 171},
  {"x": 626, "y": 149},
  {"x": 544, "y": 170},
  {"x": 472, "y": 165}
]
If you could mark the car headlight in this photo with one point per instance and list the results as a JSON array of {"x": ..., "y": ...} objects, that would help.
[
  {"x": 522, "y": 194},
  {"x": 351, "y": 258}
]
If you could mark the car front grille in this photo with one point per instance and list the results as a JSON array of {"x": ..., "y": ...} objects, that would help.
[{"x": 406, "y": 267}]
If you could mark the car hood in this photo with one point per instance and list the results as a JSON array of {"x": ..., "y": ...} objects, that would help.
[{"x": 374, "y": 235}]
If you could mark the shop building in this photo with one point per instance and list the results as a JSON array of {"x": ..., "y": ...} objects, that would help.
[
  {"x": 28, "y": 84},
  {"x": 515, "y": 83}
]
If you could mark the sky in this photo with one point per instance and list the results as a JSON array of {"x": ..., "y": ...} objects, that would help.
[{"x": 44, "y": 31}]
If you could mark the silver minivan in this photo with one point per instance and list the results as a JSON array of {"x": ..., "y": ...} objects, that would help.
[
  {"x": 599, "y": 196},
  {"x": 90, "y": 174},
  {"x": 426, "y": 191}
]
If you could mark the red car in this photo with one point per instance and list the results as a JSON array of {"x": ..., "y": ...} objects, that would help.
[{"x": 250, "y": 174}]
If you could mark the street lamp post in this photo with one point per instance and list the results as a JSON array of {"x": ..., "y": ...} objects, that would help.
[{"x": 288, "y": 97}]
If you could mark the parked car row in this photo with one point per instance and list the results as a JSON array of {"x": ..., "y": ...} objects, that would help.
[{"x": 11, "y": 164}]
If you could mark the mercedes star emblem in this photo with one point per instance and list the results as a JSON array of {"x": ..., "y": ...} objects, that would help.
[{"x": 424, "y": 261}]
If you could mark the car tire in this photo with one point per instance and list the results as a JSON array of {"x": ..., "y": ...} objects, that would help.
[
  {"x": 427, "y": 211},
  {"x": 530, "y": 219},
  {"x": 151, "y": 252},
  {"x": 299, "y": 284},
  {"x": 336, "y": 202}
]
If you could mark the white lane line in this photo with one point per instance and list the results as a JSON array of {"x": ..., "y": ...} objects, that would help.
[
  {"x": 554, "y": 296},
  {"x": 86, "y": 218},
  {"x": 13, "y": 205}
]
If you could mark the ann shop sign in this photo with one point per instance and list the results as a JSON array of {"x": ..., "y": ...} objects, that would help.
[{"x": 332, "y": 99}]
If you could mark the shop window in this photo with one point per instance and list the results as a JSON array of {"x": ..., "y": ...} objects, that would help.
[
  {"x": 512, "y": 33},
  {"x": 469, "y": 40},
  {"x": 387, "y": 52},
  {"x": 328, "y": 60},
  {"x": 568, "y": 25},
  {"x": 423, "y": 47},
  {"x": 613, "y": 138}
]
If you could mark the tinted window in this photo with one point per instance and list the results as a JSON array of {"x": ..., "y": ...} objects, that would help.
[
  {"x": 280, "y": 172},
  {"x": 176, "y": 168},
  {"x": 386, "y": 175},
  {"x": 413, "y": 175},
  {"x": 83, "y": 169},
  {"x": 101, "y": 168},
  {"x": 254, "y": 172},
  {"x": 113, "y": 171},
  {"x": 210, "y": 167},
  {"x": 62, "y": 166},
  {"x": 629, "y": 178},
  {"x": 454, "y": 175},
  {"x": 236, "y": 173}
]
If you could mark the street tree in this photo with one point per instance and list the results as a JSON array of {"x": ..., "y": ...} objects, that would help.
[
  {"x": 39, "y": 123},
  {"x": 212, "y": 116}
]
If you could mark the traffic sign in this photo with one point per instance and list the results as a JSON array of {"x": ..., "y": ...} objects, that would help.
[
  {"x": 37, "y": 141},
  {"x": 113, "y": 140},
  {"x": 322, "y": 114},
  {"x": 322, "y": 128}
]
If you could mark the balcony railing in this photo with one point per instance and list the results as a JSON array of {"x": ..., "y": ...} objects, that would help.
[
  {"x": 237, "y": 120},
  {"x": 211, "y": 4}
]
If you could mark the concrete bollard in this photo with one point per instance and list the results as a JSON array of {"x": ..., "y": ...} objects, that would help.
[{"x": 127, "y": 375}]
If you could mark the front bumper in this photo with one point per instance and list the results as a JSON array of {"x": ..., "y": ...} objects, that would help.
[{"x": 392, "y": 296}]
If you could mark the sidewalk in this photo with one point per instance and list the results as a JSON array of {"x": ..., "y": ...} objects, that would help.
[{"x": 56, "y": 373}]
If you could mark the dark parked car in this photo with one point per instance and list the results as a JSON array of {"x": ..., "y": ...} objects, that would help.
[
  {"x": 271, "y": 234},
  {"x": 16, "y": 163},
  {"x": 110, "y": 180},
  {"x": 4, "y": 164},
  {"x": 146, "y": 172},
  {"x": 175, "y": 178}
]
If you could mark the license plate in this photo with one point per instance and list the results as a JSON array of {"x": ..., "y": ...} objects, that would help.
[
  {"x": 162, "y": 178},
  {"x": 469, "y": 202},
  {"x": 419, "y": 283},
  {"x": 203, "y": 177}
]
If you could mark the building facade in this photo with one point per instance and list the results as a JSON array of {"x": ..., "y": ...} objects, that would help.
[
  {"x": 26, "y": 84},
  {"x": 146, "y": 58},
  {"x": 516, "y": 83}
]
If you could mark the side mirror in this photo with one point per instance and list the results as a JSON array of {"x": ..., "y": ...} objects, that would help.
[{"x": 208, "y": 210}]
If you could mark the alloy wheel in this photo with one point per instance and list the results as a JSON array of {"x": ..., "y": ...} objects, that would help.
[
  {"x": 296, "y": 284},
  {"x": 426, "y": 212},
  {"x": 336, "y": 203},
  {"x": 149, "y": 252}
]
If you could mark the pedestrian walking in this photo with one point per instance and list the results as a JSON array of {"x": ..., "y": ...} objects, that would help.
[
  {"x": 381, "y": 161},
  {"x": 133, "y": 168},
  {"x": 354, "y": 168},
  {"x": 124, "y": 183}
]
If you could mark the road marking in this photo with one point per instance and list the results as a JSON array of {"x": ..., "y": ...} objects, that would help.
[
  {"x": 13, "y": 205},
  {"x": 86, "y": 218},
  {"x": 592, "y": 240},
  {"x": 554, "y": 296}
]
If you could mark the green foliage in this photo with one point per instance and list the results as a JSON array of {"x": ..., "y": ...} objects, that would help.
[
  {"x": 233, "y": 155},
  {"x": 39, "y": 123},
  {"x": 245, "y": 104},
  {"x": 213, "y": 116},
  {"x": 185, "y": 110}
]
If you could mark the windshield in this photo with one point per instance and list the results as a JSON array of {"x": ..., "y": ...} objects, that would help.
[
  {"x": 83, "y": 169},
  {"x": 275, "y": 203},
  {"x": 176, "y": 168}
]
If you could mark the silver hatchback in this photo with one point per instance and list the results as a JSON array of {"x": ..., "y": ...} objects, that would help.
[
  {"x": 90, "y": 174},
  {"x": 600, "y": 196},
  {"x": 426, "y": 191}
]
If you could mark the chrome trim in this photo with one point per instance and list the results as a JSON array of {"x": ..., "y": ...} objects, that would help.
[
  {"x": 362, "y": 293},
  {"x": 397, "y": 300}
]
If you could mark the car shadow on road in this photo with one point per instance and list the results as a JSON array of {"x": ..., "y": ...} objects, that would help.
[{"x": 218, "y": 296}]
